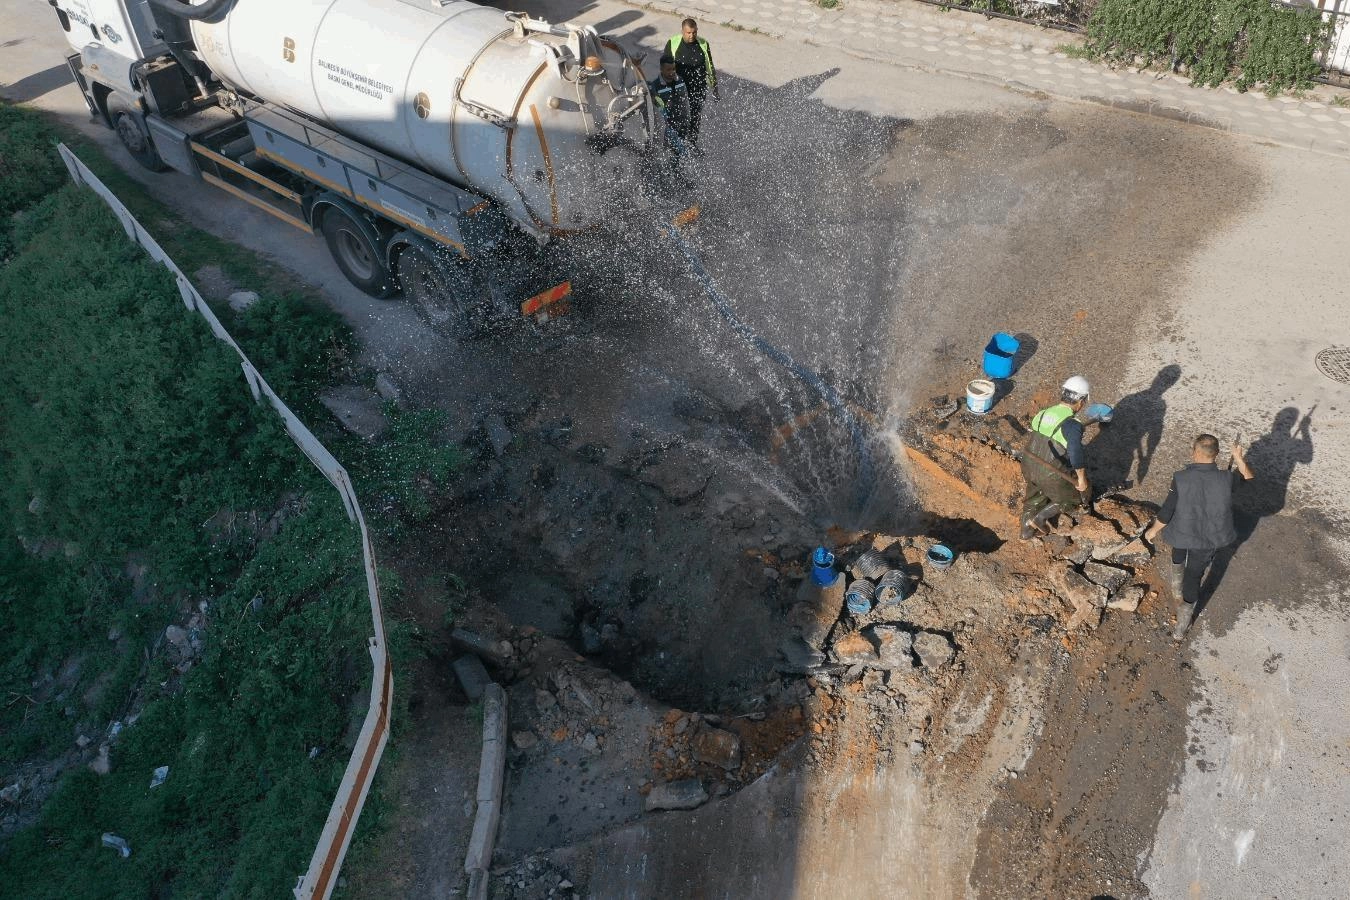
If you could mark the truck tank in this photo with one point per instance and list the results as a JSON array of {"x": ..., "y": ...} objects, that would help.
[{"x": 548, "y": 120}]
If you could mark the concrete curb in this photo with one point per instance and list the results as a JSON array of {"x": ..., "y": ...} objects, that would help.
[{"x": 491, "y": 778}]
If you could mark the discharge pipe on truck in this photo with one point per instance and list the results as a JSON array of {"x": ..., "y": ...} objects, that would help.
[{"x": 183, "y": 10}]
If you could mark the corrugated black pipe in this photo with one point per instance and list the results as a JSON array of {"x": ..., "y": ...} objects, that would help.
[{"x": 208, "y": 10}]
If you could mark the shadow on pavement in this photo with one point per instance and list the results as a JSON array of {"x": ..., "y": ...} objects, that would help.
[
  {"x": 1273, "y": 457},
  {"x": 28, "y": 89},
  {"x": 1129, "y": 442}
]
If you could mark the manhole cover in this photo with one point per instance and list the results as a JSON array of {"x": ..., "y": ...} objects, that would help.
[{"x": 1334, "y": 362}]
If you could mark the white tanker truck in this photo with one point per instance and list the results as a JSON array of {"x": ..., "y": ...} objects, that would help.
[{"x": 415, "y": 135}]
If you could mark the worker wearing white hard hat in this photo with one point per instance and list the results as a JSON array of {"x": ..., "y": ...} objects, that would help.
[{"x": 1053, "y": 462}]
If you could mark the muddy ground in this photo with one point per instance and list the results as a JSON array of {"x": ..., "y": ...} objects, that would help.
[{"x": 658, "y": 479}]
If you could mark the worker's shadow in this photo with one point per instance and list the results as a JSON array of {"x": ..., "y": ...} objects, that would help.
[
  {"x": 1273, "y": 458},
  {"x": 1129, "y": 442}
]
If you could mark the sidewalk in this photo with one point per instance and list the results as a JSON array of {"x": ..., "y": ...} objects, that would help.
[{"x": 1026, "y": 58}]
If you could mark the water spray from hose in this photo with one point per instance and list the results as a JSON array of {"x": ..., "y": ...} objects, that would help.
[{"x": 827, "y": 393}]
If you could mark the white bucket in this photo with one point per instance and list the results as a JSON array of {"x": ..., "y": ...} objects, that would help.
[{"x": 980, "y": 396}]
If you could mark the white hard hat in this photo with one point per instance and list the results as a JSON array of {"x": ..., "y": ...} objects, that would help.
[{"x": 1077, "y": 385}]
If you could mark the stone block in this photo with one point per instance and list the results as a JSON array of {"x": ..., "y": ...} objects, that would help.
[
  {"x": 1103, "y": 575},
  {"x": 799, "y": 656},
  {"x": 688, "y": 793},
  {"x": 1127, "y": 600},
  {"x": 358, "y": 409},
  {"x": 477, "y": 644},
  {"x": 717, "y": 747},
  {"x": 817, "y": 609},
  {"x": 934, "y": 650},
  {"x": 387, "y": 388},
  {"x": 478, "y": 885},
  {"x": 483, "y": 836},
  {"x": 893, "y": 646},
  {"x": 1134, "y": 553},
  {"x": 1076, "y": 589},
  {"x": 854, "y": 649},
  {"x": 472, "y": 675},
  {"x": 242, "y": 300}
]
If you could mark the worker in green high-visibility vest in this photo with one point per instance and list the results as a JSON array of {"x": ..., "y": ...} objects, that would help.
[
  {"x": 693, "y": 60},
  {"x": 1053, "y": 463}
]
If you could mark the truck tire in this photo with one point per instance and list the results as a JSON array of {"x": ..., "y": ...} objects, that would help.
[
  {"x": 442, "y": 292},
  {"x": 133, "y": 134},
  {"x": 356, "y": 255}
]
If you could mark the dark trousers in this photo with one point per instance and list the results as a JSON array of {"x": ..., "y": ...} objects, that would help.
[
  {"x": 1045, "y": 485},
  {"x": 1194, "y": 563},
  {"x": 698, "y": 92}
]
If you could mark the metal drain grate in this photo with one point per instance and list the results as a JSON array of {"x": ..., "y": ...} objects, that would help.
[{"x": 1334, "y": 362}]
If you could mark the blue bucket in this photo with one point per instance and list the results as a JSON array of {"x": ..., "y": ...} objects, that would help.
[
  {"x": 940, "y": 556},
  {"x": 822, "y": 567},
  {"x": 998, "y": 355}
]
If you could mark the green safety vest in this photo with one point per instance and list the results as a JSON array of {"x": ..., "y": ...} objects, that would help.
[
  {"x": 674, "y": 46},
  {"x": 1049, "y": 421}
]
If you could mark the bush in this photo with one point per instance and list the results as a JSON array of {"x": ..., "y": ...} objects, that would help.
[
  {"x": 133, "y": 426},
  {"x": 30, "y": 167},
  {"x": 123, "y": 415},
  {"x": 1250, "y": 42},
  {"x": 244, "y": 801}
]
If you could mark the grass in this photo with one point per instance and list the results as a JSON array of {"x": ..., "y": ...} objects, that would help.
[{"x": 125, "y": 428}]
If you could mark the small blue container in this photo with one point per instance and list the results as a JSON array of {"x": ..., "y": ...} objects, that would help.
[
  {"x": 940, "y": 556},
  {"x": 998, "y": 355},
  {"x": 822, "y": 567}
]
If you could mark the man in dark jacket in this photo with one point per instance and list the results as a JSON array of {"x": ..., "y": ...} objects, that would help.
[
  {"x": 694, "y": 60},
  {"x": 1196, "y": 519},
  {"x": 671, "y": 97}
]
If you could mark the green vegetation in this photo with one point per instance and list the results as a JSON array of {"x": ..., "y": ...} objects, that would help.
[
  {"x": 141, "y": 480},
  {"x": 1249, "y": 42},
  {"x": 28, "y": 168}
]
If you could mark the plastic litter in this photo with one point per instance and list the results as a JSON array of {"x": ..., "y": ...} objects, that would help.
[
  {"x": 117, "y": 843},
  {"x": 159, "y": 776}
]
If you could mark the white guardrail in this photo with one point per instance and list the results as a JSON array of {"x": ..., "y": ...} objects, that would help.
[{"x": 320, "y": 879}]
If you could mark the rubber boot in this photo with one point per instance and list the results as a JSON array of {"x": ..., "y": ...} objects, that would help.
[{"x": 1185, "y": 614}]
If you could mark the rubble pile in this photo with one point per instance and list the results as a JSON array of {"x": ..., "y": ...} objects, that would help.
[
  {"x": 1099, "y": 560},
  {"x": 534, "y": 877},
  {"x": 580, "y": 709}
]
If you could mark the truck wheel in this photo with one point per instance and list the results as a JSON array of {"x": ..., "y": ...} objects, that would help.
[
  {"x": 355, "y": 255},
  {"x": 134, "y": 137},
  {"x": 442, "y": 293}
]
